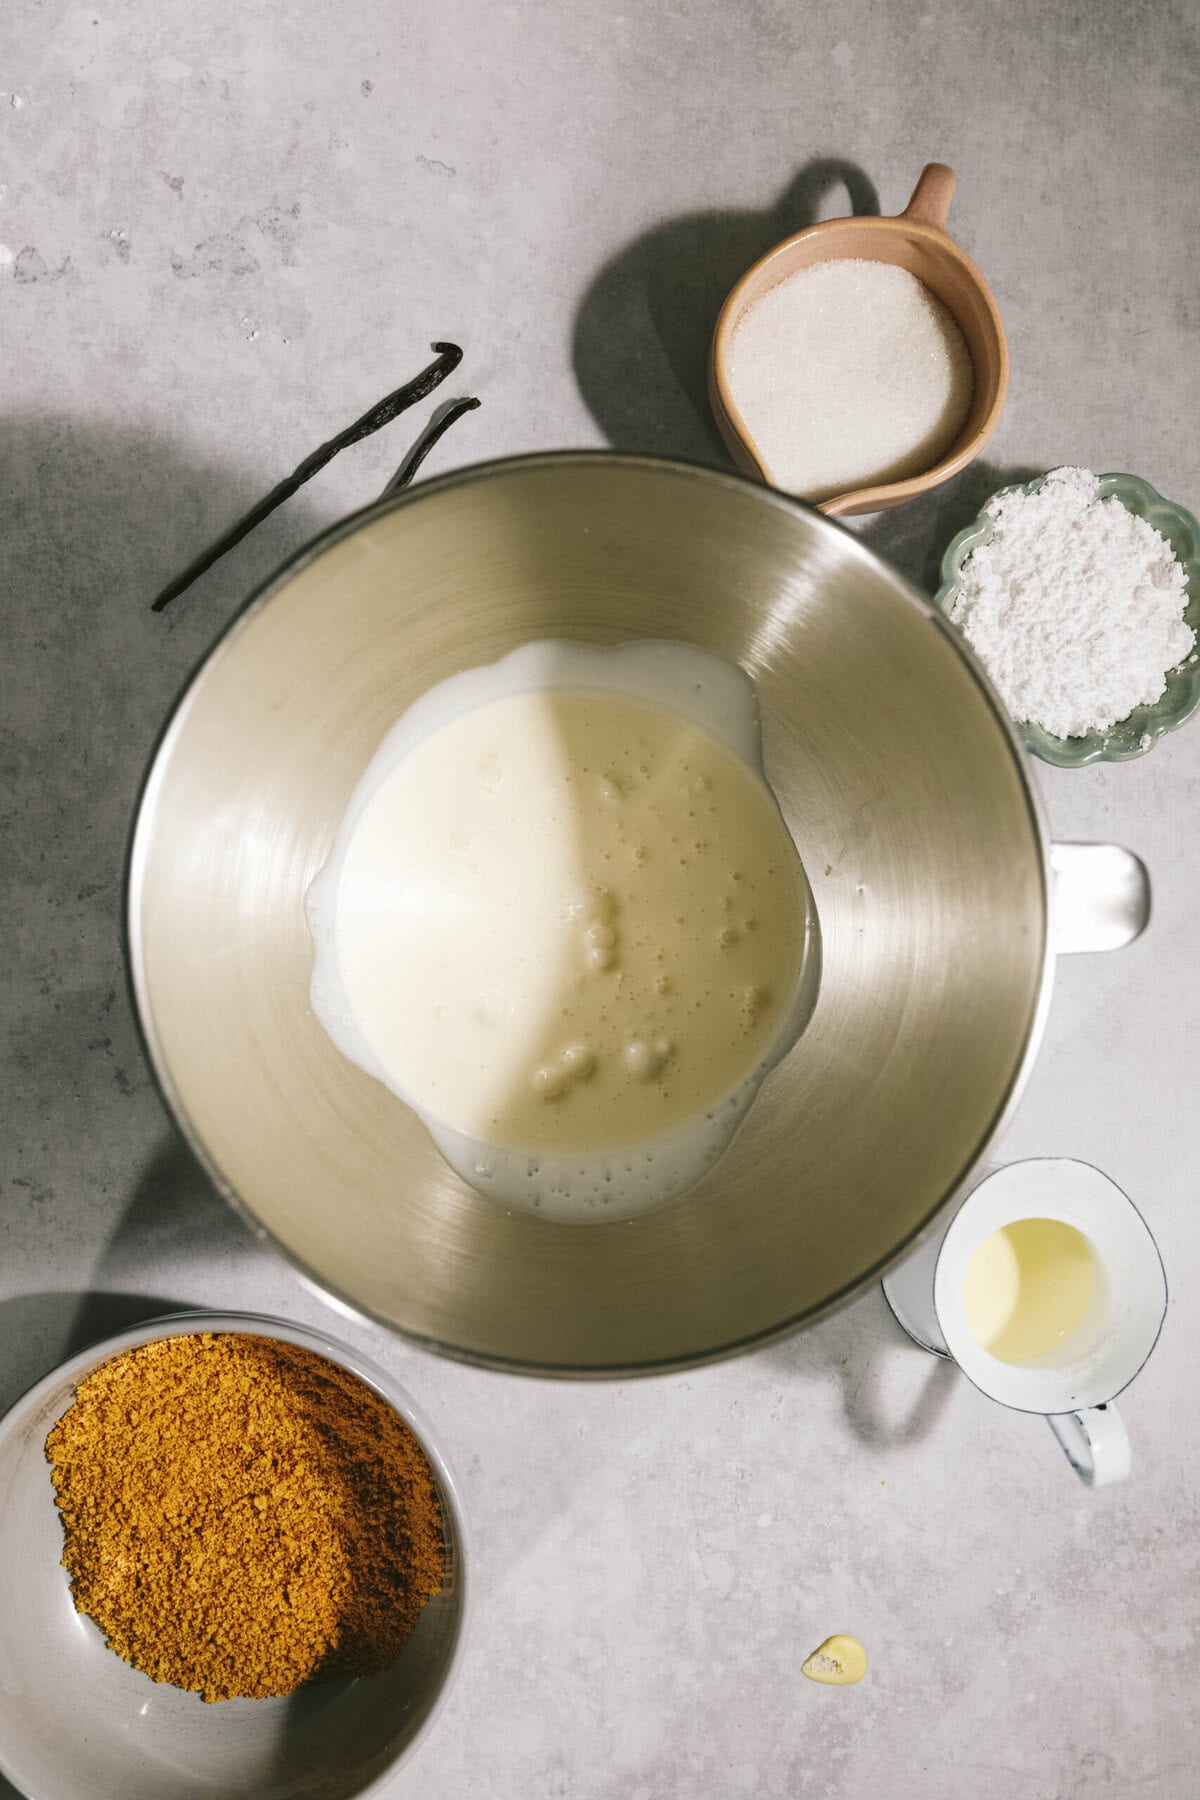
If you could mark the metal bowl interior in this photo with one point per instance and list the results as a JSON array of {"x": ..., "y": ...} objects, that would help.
[
  {"x": 899, "y": 777},
  {"x": 1136, "y": 735},
  {"x": 75, "y": 1719}
]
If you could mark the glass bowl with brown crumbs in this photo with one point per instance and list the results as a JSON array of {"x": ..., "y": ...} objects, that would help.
[{"x": 232, "y": 1560}]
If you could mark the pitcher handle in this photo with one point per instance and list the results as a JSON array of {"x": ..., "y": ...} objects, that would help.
[
  {"x": 930, "y": 201},
  {"x": 1095, "y": 1442},
  {"x": 1101, "y": 897}
]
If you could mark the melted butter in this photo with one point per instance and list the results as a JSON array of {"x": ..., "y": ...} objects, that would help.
[
  {"x": 565, "y": 921},
  {"x": 839, "y": 1662},
  {"x": 1027, "y": 1288}
]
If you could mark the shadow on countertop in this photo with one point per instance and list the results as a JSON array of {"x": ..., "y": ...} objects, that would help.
[
  {"x": 173, "y": 1214},
  {"x": 96, "y": 1185},
  {"x": 643, "y": 327},
  {"x": 862, "y": 1344},
  {"x": 95, "y": 517}
]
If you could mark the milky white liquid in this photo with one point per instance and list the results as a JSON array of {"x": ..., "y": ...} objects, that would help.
[{"x": 564, "y": 920}]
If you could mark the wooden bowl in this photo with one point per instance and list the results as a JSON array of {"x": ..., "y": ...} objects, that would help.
[{"x": 916, "y": 240}]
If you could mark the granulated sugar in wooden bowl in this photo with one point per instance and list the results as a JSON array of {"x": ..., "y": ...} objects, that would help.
[
  {"x": 1080, "y": 594},
  {"x": 861, "y": 361},
  {"x": 248, "y": 1513}
]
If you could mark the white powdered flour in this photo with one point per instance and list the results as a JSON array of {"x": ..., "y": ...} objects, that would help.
[
  {"x": 1075, "y": 607},
  {"x": 848, "y": 374}
]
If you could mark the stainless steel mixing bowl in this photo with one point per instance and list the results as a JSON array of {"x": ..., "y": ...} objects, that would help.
[{"x": 901, "y": 780}]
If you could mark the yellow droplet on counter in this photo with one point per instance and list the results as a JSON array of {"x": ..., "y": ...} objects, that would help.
[{"x": 839, "y": 1662}]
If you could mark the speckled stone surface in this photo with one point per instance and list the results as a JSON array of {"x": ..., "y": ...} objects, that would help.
[{"x": 227, "y": 231}]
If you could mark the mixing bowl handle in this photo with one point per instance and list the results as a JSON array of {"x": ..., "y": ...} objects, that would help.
[
  {"x": 1101, "y": 897},
  {"x": 930, "y": 203}
]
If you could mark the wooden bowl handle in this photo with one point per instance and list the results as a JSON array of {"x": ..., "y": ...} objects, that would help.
[{"x": 930, "y": 203}]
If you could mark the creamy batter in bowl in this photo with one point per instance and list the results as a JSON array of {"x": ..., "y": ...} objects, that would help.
[
  {"x": 900, "y": 783},
  {"x": 564, "y": 921}
]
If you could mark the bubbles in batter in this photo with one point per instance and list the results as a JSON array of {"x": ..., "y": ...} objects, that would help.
[{"x": 564, "y": 920}]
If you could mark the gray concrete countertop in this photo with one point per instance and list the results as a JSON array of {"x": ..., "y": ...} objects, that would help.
[{"x": 228, "y": 231}]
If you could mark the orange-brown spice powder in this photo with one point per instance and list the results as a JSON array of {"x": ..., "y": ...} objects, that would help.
[{"x": 242, "y": 1516}]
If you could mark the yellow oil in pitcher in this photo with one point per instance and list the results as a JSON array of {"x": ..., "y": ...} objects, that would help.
[{"x": 1027, "y": 1288}]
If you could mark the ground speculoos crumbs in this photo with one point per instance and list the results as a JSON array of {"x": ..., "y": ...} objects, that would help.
[{"x": 242, "y": 1515}]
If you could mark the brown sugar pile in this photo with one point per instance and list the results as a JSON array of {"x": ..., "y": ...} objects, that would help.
[{"x": 242, "y": 1515}]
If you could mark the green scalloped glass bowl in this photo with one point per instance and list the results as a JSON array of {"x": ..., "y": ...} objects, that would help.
[{"x": 1140, "y": 732}]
